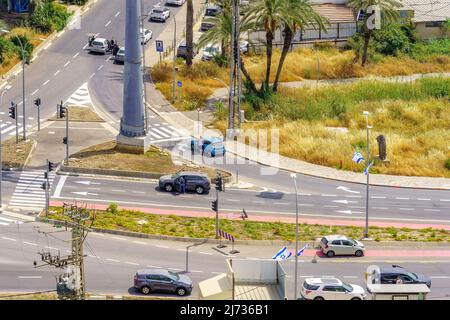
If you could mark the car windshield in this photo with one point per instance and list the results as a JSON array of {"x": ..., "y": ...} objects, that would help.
[
  {"x": 347, "y": 287},
  {"x": 97, "y": 43},
  {"x": 211, "y": 49},
  {"x": 157, "y": 11},
  {"x": 413, "y": 275},
  {"x": 174, "y": 275}
]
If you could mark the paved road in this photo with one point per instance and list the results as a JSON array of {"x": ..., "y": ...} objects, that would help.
[{"x": 112, "y": 261}]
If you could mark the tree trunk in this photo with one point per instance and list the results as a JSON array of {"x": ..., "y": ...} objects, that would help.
[
  {"x": 366, "y": 47},
  {"x": 288, "y": 36},
  {"x": 189, "y": 32},
  {"x": 248, "y": 77},
  {"x": 269, "y": 51}
]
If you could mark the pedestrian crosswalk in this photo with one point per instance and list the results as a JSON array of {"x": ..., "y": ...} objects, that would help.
[
  {"x": 6, "y": 220},
  {"x": 29, "y": 194},
  {"x": 161, "y": 132},
  {"x": 10, "y": 128},
  {"x": 81, "y": 97}
]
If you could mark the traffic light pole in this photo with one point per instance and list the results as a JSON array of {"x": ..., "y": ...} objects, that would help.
[
  {"x": 67, "y": 136},
  {"x": 17, "y": 127},
  {"x": 46, "y": 188},
  {"x": 217, "y": 214}
]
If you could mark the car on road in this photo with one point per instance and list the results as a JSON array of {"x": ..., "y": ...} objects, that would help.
[
  {"x": 182, "y": 50},
  {"x": 211, "y": 146},
  {"x": 99, "y": 45},
  {"x": 161, "y": 280},
  {"x": 146, "y": 35},
  {"x": 334, "y": 245},
  {"x": 195, "y": 181},
  {"x": 399, "y": 275},
  {"x": 159, "y": 14},
  {"x": 120, "y": 56},
  {"x": 177, "y": 3},
  {"x": 331, "y": 289},
  {"x": 210, "y": 51}
]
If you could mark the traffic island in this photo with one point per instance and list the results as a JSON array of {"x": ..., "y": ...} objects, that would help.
[
  {"x": 79, "y": 114},
  {"x": 109, "y": 159},
  {"x": 16, "y": 155},
  {"x": 168, "y": 226}
]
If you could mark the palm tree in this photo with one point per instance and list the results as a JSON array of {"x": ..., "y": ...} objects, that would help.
[
  {"x": 389, "y": 11},
  {"x": 268, "y": 15},
  {"x": 189, "y": 32},
  {"x": 221, "y": 33},
  {"x": 298, "y": 14}
]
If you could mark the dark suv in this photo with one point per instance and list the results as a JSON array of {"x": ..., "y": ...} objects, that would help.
[
  {"x": 195, "y": 181},
  {"x": 160, "y": 280},
  {"x": 182, "y": 50},
  {"x": 397, "y": 275}
]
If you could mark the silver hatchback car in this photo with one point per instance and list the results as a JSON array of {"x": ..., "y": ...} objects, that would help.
[{"x": 333, "y": 245}]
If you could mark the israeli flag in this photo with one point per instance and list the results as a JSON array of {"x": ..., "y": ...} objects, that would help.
[
  {"x": 366, "y": 170},
  {"x": 283, "y": 254},
  {"x": 357, "y": 157},
  {"x": 299, "y": 253}
]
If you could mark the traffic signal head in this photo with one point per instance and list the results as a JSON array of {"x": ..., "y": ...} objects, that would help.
[
  {"x": 44, "y": 185},
  {"x": 65, "y": 140},
  {"x": 219, "y": 183},
  {"x": 37, "y": 102},
  {"x": 62, "y": 111},
  {"x": 214, "y": 205},
  {"x": 50, "y": 166},
  {"x": 12, "y": 111}
]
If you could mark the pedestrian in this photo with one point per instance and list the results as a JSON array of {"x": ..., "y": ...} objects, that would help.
[
  {"x": 177, "y": 185},
  {"x": 112, "y": 42},
  {"x": 182, "y": 185},
  {"x": 115, "y": 49},
  {"x": 91, "y": 39},
  {"x": 399, "y": 280},
  {"x": 109, "y": 45}
]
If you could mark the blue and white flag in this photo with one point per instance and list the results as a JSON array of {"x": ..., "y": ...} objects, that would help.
[
  {"x": 357, "y": 157},
  {"x": 299, "y": 253},
  {"x": 366, "y": 170},
  {"x": 283, "y": 254}
]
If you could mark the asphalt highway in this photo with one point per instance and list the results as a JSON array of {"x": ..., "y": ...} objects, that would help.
[{"x": 112, "y": 261}]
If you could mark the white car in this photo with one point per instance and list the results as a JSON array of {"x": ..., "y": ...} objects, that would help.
[
  {"x": 178, "y": 3},
  {"x": 146, "y": 35},
  {"x": 159, "y": 14},
  {"x": 99, "y": 45},
  {"x": 244, "y": 46},
  {"x": 210, "y": 51},
  {"x": 331, "y": 289}
]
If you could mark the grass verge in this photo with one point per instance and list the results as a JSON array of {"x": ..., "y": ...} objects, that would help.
[
  {"x": 29, "y": 296},
  {"x": 14, "y": 155},
  {"x": 172, "y": 225},
  {"x": 107, "y": 156},
  {"x": 82, "y": 114}
]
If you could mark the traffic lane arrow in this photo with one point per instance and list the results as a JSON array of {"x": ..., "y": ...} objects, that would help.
[
  {"x": 88, "y": 183},
  {"x": 85, "y": 193},
  {"x": 346, "y": 189}
]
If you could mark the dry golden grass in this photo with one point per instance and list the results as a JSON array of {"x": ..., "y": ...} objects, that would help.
[
  {"x": 82, "y": 114},
  {"x": 14, "y": 155},
  {"x": 28, "y": 296}
]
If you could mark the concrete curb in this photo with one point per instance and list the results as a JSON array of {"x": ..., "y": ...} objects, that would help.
[
  {"x": 368, "y": 243},
  {"x": 11, "y": 74}
]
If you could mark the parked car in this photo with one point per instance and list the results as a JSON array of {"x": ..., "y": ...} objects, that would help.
[
  {"x": 341, "y": 245},
  {"x": 178, "y": 3},
  {"x": 244, "y": 46},
  {"x": 195, "y": 181},
  {"x": 212, "y": 10},
  {"x": 399, "y": 275},
  {"x": 331, "y": 289},
  {"x": 207, "y": 23},
  {"x": 159, "y": 14},
  {"x": 161, "y": 280},
  {"x": 120, "y": 56},
  {"x": 146, "y": 35},
  {"x": 210, "y": 146},
  {"x": 99, "y": 45},
  {"x": 182, "y": 50},
  {"x": 210, "y": 51}
]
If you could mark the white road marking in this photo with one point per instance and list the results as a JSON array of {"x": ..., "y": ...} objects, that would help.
[
  {"x": 34, "y": 92},
  {"x": 353, "y": 196},
  {"x": 131, "y": 263},
  {"x": 434, "y": 210},
  {"x": 233, "y": 200},
  {"x": 196, "y": 271},
  {"x": 51, "y": 248},
  {"x": 48, "y": 46},
  {"x": 331, "y": 206},
  {"x": 150, "y": 266},
  {"x": 45, "y": 82},
  {"x": 377, "y": 197},
  {"x": 139, "y": 242},
  {"x": 112, "y": 260},
  {"x": 351, "y": 277},
  {"x": 56, "y": 73},
  {"x": 400, "y": 198},
  {"x": 346, "y": 189},
  {"x": 159, "y": 246},
  {"x": 30, "y": 243},
  {"x": 423, "y": 199},
  {"x": 306, "y": 205},
  {"x": 444, "y": 199},
  {"x": 60, "y": 185},
  {"x": 281, "y": 203},
  {"x": 9, "y": 239},
  {"x": 92, "y": 75},
  {"x": 328, "y": 195},
  {"x": 440, "y": 277},
  {"x": 118, "y": 238},
  {"x": 207, "y": 253},
  {"x": 379, "y": 208},
  {"x": 139, "y": 192},
  {"x": 117, "y": 14},
  {"x": 86, "y": 46},
  {"x": 29, "y": 277},
  {"x": 67, "y": 63},
  {"x": 100, "y": 68},
  {"x": 76, "y": 55},
  {"x": 407, "y": 209},
  {"x": 108, "y": 23}
]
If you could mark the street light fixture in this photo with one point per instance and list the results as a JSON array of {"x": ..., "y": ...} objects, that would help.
[
  {"x": 23, "y": 80},
  {"x": 1, "y": 162},
  {"x": 294, "y": 177},
  {"x": 366, "y": 228}
]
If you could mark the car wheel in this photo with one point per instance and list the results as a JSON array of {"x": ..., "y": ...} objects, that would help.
[
  {"x": 199, "y": 189},
  {"x": 359, "y": 253},
  {"x": 145, "y": 290},
  {"x": 318, "y": 298},
  {"x": 330, "y": 254},
  {"x": 181, "y": 292},
  {"x": 355, "y": 298},
  {"x": 168, "y": 187}
]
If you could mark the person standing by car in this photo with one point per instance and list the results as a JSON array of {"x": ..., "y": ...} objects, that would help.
[
  {"x": 115, "y": 49},
  {"x": 182, "y": 185}
]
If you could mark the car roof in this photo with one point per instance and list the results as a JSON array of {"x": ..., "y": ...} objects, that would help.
[
  {"x": 332, "y": 237},
  {"x": 100, "y": 39},
  {"x": 187, "y": 173},
  {"x": 393, "y": 269},
  {"x": 213, "y": 6},
  {"x": 323, "y": 281},
  {"x": 153, "y": 271}
]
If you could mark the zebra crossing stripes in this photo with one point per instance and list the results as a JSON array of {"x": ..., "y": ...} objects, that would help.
[
  {"x": 29, "y": 193},
  {"x": 8, "y": 128},
  {"x": 164, "y": 132},
  {"x": 6, "y": 221},
  {"x": 80, "y": 97}
]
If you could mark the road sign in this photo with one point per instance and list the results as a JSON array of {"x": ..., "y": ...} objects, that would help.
[
  {"x": 179, "y": 83},
  {"x": 159, "y": 46}
]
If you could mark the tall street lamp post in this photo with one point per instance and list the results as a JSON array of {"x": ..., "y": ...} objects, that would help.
[
  {"x": 1, "y": 162},
  {"x": 174, "y": 71},
  {"x": 294, "y": 177},
  {"x": 366, "y": 229}
]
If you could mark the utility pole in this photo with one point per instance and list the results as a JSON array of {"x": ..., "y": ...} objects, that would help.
[
  {"x": 215, "y": 203},
  {"x": 67, "y": 136},
  {"x": 46, "y": 185},
  {"x": 71, "y": 285},
  {"x": 366, "y": 229},
  {"x": 294, "y": 177},
  {"x": 143, "y": 17}
]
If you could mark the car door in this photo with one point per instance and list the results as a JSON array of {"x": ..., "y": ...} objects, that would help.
[
  {"x": 153, "y": 282},
  {"x": 347, "y": 247},
  {"x": 167, "y": 284},
  {"x": 388, "y": 278},
  {"x": 190, "y": 183},
  {"x": 329, "y": 292},
  {"x": 336, "y": 246},
  {"x": 340, "y": 293}
]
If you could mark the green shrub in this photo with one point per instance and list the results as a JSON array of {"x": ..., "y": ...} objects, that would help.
[
  {"x": 22, "y": 41},
  {"x": 6, "y": 49},
  {"x": 447, "y": 164},
  {"x": 391, "y": 41},
  {"x": 48, "y": 17},
  {"x": 113, "y": 208}
]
